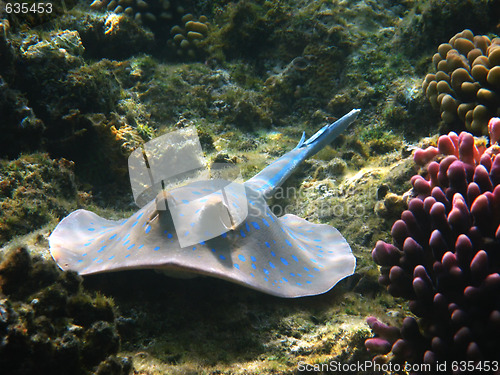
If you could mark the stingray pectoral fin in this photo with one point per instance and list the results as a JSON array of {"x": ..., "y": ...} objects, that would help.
[
  {"x": 324, "y": 252},
  {"x": 75, "y": 234}
]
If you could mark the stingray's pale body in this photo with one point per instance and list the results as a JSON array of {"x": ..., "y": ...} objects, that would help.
[{"x": 286, "y": 256}]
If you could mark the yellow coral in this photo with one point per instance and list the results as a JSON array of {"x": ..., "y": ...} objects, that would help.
[
  {"x": 186, "y": 38},
  {"x": 466, "y": 85}
]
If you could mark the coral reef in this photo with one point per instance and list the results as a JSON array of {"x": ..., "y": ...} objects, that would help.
[
  {"x": 162, "y": 17},
  {"x": 49, "y": 324},
  {"x": 186, "y": 38},
  {"x": 466, "y": 85},
  {"x": 445, "y": 257},
  {"x": 148, "y": 12},
  {"x": 34, "y": 190}
]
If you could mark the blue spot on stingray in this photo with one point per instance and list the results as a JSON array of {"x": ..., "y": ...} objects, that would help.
[
  {"x": 242, "y": 258},
  {"x": 288, "y": 243},
  {"x": 251, "y": 274},
  {"x": 316, "y": 269},
  {"x": 253, "y": 259},
  {"x": 310, "y": 275},
  {"x": 84, "y": 254},
  {"x": 185, "y": 201},
  {"x": 99, "y": 261},
  {"x": 91, "y": 229},
  {"x": 316, "y": 240},
  {"x": 285, "y": 280},
  {"x": 242, "y": 233},
  {"x": 192, "y": 224},
  {"x": 284, "y": 261},
  {"x": 206, "y": 190},
  {"x": 126, "y": 242},
  {"x": 265, "y": 222},
  {"x": 169, "y": 235},
  {"x": 222, "y": 257},
  {"x": 299, "y": 284},
  {"x": 235, "y": 205},
  {"x": 306, "y": 269},
  {"x": 87, "y": 244},
  {"x": 156, "y": 248},
  {"x": 111, "y": 257},
  {"x": 309, "y": 282},
  {"x": 299, "y": 275},
  {"x": 131, "y": 246},
  {"x": 273, "y": 253},
  {"x": 194, "y": 248},
  {"x": 126, "y": 256},
  {"x": 140, "y": 215},
  {"x": 213, "y": 250},
  {"x": 148, "y": 229},
  {"x": 223, "y": 235},
  {"x": 133, "y": 225},
  {"x": 314, "y": 260},
  {"x": 196, "y": 192},
  {"x": 272, "y": 265},
  {"x": 101, "y": 249},
  {"x": 292, "y": 274},
  {"x": 247, "y": 227},
  {"x": 140, "y": 247},
  {"x": 187, "y": 233},
  {"x": 203, "y": 200},
  {"x": 254, "y": 266},
  {"x": 94, "y": 259},
  {"x": 295, "y": 258},
  {"x": 270, "y": 217},
  {"x": 113, "y": 237},
  {"x": 80, "y": 260},
  {"x": 237, "y": 266},
  {"x": 202, "y": 243},
  {"x": 267, "y": 244},
  {"x": 255, "y": 225},
  {"x": 198, "y": 210},
  {"x": 319, "y": 247}
]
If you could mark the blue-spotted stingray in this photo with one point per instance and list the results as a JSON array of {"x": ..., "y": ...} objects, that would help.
[{"x": 286, "y": 256}]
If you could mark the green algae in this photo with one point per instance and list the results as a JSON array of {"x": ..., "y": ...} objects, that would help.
[{"x": 34, "y": 190}]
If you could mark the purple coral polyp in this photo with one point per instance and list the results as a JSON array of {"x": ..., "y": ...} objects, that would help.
[{"x": 445, "y": 257}]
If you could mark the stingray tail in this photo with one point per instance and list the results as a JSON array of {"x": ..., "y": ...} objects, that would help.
[{"x": 276, "y": 173}]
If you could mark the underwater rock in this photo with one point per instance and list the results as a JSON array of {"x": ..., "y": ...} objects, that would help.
[
  {"x": 466, "y": 85},
  {"x": 444, "y": 258},
  {"x": 38, "y": 330},
  {"x": 34, "y": 189}
]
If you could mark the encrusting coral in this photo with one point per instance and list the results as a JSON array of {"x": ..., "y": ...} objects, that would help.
[
  {"x": 50, "y": 325},
  {"x": 143, "y": 11},
  {"x": 466, "y": 85},
  {"x": 445, "y": 258}
]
